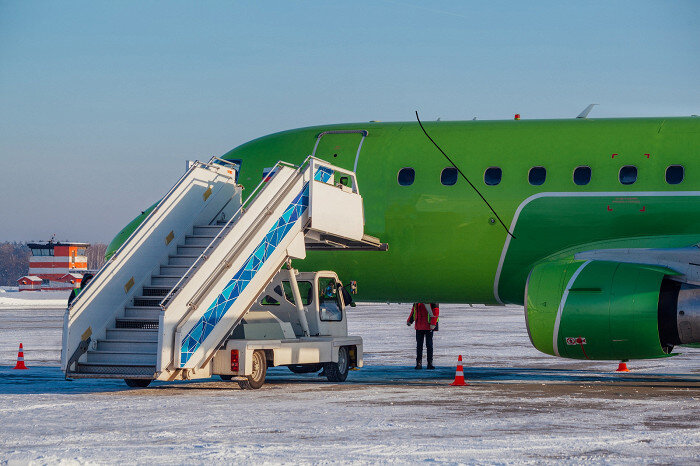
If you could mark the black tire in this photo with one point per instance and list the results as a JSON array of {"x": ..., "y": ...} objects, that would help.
[
  {"x": 257, "y": 378},
  {"x": 227, "y": 378},
  {"x": 305, "y": 368},
  {"x": 338, "y": 371},
  {"x": 137, "y": 383}
]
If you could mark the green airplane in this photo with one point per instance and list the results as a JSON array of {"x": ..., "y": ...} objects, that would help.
[{"x": 592, "y": 224}]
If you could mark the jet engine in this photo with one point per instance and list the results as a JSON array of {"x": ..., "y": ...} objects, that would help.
[{"x": 609, "y": 310}]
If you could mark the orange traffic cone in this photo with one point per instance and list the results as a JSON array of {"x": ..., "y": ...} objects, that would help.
[
  {"x": 459, "y": 374},
  {"x": 622, "y": 367},
  {"x": 20, "y": 359}
]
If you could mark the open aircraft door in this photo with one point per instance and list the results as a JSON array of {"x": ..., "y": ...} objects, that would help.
[{"x": 342, "y": 146}]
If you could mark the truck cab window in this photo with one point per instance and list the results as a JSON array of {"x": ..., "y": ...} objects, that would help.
[
  {"x": 269, "y": 301},
  {"x": 305, "y": 290},
  {"x": 329, "y": 302}
]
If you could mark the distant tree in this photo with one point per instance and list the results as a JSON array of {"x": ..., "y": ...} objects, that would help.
[
  {"x": 96, "y": 256},
  {"x": 14, "y": 262}
]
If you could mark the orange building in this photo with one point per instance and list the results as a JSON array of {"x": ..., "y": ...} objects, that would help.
[{"x": 58, "y": 265}]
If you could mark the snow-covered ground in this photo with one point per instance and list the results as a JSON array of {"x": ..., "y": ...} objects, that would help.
[
  {"x": 521, "y": 406},
  {"x": 10, "y": 299}
]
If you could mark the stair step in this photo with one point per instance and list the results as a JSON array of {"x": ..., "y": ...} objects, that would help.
[
  {"x": 190, "y": 250},
  {"x": 207, "y": 230},
  {"x": 117, "y": 370},
  {"x": 187, "y": 260},
  {"x": 129, "y": 323},
  {"x": 122, "y": 358},
  {"x": 198, "y": 240},
  {"x": 178, "y": 270},
  {"x": 147, "y": 301},
  {"x": 128, "y": 345},
  {"x": 142, "y": 312},
  {"x": 132, "y": 334},
  {"x": 165, "y": 280},
  {"x": 155, "y": 290}
]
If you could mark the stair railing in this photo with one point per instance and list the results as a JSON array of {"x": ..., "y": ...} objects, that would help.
[
  {"x": 86, "y": 291},
  {"x": 175, "y": 290}
]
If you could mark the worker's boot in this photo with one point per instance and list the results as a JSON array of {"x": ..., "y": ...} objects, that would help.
[
  {"x": 430, "y": 365},
  {"x": 419, "y": 365}
]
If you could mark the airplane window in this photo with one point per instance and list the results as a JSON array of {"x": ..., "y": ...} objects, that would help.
[
  {"x": 407, "y": 176},
  {"x": 492, "y": 176},
  {"x": 537, "y": 176},
  {"x": 448, "y": 177},
  {"x": 582, "y": 175},
  {"x": 675, "y": 174},
  {"x": 628, "y": 174}
]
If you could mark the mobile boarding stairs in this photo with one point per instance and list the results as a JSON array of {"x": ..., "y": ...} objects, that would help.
[{"x": 173, "y": 293}]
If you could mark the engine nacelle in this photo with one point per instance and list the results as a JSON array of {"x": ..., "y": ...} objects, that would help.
[
  {"x": 609, "y": 310},
  {"x": 679, "y": 313}
]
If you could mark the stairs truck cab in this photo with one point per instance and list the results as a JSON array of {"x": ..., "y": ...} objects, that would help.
[
  {"x": 177, "y": 289},
  {"x": 299, "y": 322}
]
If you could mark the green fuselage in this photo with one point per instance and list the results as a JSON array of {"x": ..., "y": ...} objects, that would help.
[{"x": 445, "y": 244}]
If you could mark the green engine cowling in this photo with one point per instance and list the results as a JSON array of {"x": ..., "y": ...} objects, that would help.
[{"x": 596, "y": 310}]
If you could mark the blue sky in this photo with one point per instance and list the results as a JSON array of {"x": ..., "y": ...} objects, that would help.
[{"x": 101, "y": 102}]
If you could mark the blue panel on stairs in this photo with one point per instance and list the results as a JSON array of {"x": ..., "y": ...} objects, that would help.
[
  {"x": 216, "y": 311},
  {"x": 323, "y": 174}
]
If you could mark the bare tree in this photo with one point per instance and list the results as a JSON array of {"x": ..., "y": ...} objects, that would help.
[
  {"x": 14, "y": 262},
  {"x": 96, "y": 256}
]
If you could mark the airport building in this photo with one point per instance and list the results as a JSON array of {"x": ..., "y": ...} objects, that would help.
[{"x": 55, "y": 266}]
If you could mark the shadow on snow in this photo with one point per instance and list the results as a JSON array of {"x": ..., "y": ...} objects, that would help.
[{"x": 50, "y": 379}]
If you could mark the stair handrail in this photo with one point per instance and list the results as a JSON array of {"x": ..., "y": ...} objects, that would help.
[
  {"x": 175, "y": 290},
  {"x": 133, "y": 235},
  {"x": 223, "y": 161},
  {"x": 83, "y": 292}
]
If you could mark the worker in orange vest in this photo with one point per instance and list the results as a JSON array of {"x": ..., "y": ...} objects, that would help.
[{"x": 425, "y": 316}]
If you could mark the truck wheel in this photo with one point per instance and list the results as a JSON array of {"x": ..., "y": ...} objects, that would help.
[
  {"x": 137, "y": 383},
  {"x": 338, "y": 371},
  {"x": 305, "y": 368},
  {"x": 257, "y": 378}
]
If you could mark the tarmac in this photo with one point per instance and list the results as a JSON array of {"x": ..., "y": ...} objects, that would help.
[{"x": 520, "y": 406}]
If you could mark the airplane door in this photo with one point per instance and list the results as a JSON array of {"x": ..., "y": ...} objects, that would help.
[{"x": 340, "y": 147}]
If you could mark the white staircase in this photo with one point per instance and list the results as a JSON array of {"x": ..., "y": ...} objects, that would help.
[{"x": 176, "y": 289}]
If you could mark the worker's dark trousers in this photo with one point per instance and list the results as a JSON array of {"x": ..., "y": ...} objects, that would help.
[{"x": 420, "y": 335}]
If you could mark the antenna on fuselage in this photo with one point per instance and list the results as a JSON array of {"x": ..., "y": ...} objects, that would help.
[{"x": 464, "y": 176}]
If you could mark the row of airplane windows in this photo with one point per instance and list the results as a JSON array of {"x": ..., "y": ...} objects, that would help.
[{"x": 538, "y": 175}]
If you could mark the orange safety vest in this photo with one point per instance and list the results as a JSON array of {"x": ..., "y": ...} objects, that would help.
[{"x": 431, "y": 316}]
